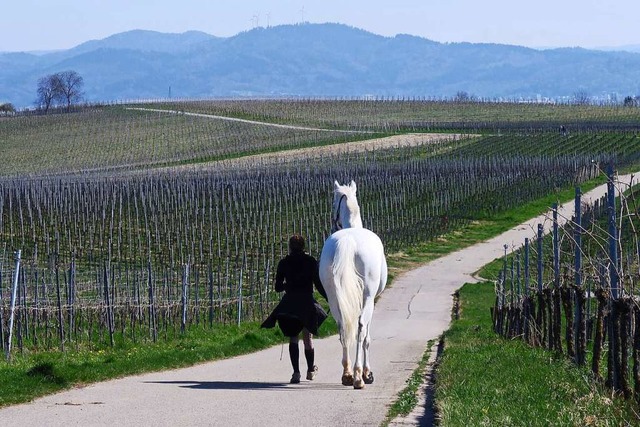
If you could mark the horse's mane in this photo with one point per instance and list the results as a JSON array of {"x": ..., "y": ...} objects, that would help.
[{"x": 349, "y": 191}]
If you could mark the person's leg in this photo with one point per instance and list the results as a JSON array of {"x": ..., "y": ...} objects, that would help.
[
  {"x": 309, "y": 354},
  {"x": 291, "y": 327},
  {"x": 294, "y": 354}
]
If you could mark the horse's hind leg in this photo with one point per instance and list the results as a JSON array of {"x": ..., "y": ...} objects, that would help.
[
  {"x": 362, "y": 347},
  {"x": 347, "y": 375},
  {"x": 358, "y": 381}
]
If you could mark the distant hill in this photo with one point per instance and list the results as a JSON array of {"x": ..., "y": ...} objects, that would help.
[
  {"x": 628, "y": 48},
  {"x": 147, "y": 41},
  {"x": 317, "y": 60}
]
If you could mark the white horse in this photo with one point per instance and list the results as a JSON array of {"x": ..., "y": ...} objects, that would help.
[{"x": 353, "y": 271}]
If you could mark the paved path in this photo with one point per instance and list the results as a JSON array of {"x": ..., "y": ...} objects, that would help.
[{"x": 253, "y": 390}]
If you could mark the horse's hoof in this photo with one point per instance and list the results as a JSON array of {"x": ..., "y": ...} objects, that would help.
[
  {"x": 358, "y": 384},
  {"x": 347, "y": 380},
  {"x": 368, "y": 379}
]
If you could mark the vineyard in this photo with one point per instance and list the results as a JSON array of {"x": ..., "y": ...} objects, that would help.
[
  {"x": 396, "y": 115},
  {"x": 110, "y": 256},
  {"x": 575, "y": 292}
]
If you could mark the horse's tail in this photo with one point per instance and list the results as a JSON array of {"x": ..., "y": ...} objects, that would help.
[{"x": 349, "y": 287}]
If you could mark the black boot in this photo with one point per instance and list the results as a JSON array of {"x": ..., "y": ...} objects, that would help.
[
  {"x": 310, "y": 356},
  {"x": 294, "y": 355}
]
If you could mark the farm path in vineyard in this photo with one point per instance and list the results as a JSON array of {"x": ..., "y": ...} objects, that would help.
[
  {"x": 253, "y": 390},
  {"x": 235, "y": 119}
]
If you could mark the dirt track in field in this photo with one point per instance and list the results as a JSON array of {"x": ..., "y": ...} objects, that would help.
[
  {"x": 285, "y": 156},
  {"x": 395, "y": 141}
]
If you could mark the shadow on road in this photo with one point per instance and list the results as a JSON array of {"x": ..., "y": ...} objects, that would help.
[{"x": 247, "y": 385}]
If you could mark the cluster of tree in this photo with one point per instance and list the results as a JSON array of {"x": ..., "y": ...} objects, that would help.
[
  {"x": 463, "y": 96},
  {"x": 7, "y": 109},
  {"x": 632, "y": 101},
  {"x": 582, "y": 97},
  {"x": 63, "y": 88}
]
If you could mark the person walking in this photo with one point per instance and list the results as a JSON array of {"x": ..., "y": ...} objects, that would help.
[{"x": 298, "y": 311}]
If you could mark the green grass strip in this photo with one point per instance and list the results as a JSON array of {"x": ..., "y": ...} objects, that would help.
[{"x": 485, "y": 380}]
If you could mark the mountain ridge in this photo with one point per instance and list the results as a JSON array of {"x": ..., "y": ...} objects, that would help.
[{"x": 324, "y": 60}]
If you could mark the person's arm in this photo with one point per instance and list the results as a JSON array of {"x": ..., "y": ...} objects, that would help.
[
  {"x": 318, "y": 283},
  {"x": 280, "y": 277}
]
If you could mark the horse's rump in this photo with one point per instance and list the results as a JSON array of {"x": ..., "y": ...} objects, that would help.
[{"x": 345, "y": 256}]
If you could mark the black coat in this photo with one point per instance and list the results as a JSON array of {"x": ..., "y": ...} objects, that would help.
[{"x": 297, "y": 273}]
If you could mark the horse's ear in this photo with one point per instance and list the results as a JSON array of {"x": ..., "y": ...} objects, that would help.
[
  {"x": 336, "y": 185},
  {"x": 352, "y": 185}
]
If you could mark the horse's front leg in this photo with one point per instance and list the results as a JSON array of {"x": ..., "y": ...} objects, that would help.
[{"x": 367, "y": 375}]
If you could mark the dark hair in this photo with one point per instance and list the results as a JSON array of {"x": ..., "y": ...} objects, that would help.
[{"x": 296, "y": 243}]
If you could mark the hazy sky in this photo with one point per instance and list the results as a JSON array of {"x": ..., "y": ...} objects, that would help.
[{"x": 59, "y": 24}]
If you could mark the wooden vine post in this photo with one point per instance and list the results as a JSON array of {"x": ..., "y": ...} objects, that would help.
[
  {"x": 14, "y": 290},
  {"x": 527, "y": 299},
  {"x": 185, "y": 282},
  {"x": 614, "y": 280},
  {"x": 580, "y": 323},
  {"x": 556, "y": 317},
  {"x": 540, "y": 323}
]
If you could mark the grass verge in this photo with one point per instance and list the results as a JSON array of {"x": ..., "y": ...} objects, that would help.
[
  {"x": 483, "y": 379},
  {"x": 407, "y": 399}
]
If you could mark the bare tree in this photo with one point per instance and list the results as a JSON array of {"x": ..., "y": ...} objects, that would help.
[
  {"x": 63, "y": 88},
  {"x": 462, "y": 96},
  {"x": 48, "y": 91},
  {"x": 70, "y": 90},
  {"x": 581, "y": 97},
  {"x": 630, "y": 101},
  {"x": 7, "y": 109}
]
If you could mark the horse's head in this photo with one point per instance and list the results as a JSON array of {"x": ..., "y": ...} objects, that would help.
[{"x": 345, "y": 211}]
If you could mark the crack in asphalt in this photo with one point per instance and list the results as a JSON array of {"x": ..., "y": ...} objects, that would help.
[{"x": 411, "y": 301}]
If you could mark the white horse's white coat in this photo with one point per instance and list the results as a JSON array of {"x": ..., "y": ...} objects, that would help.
[{"x": 353, "y": 271}]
